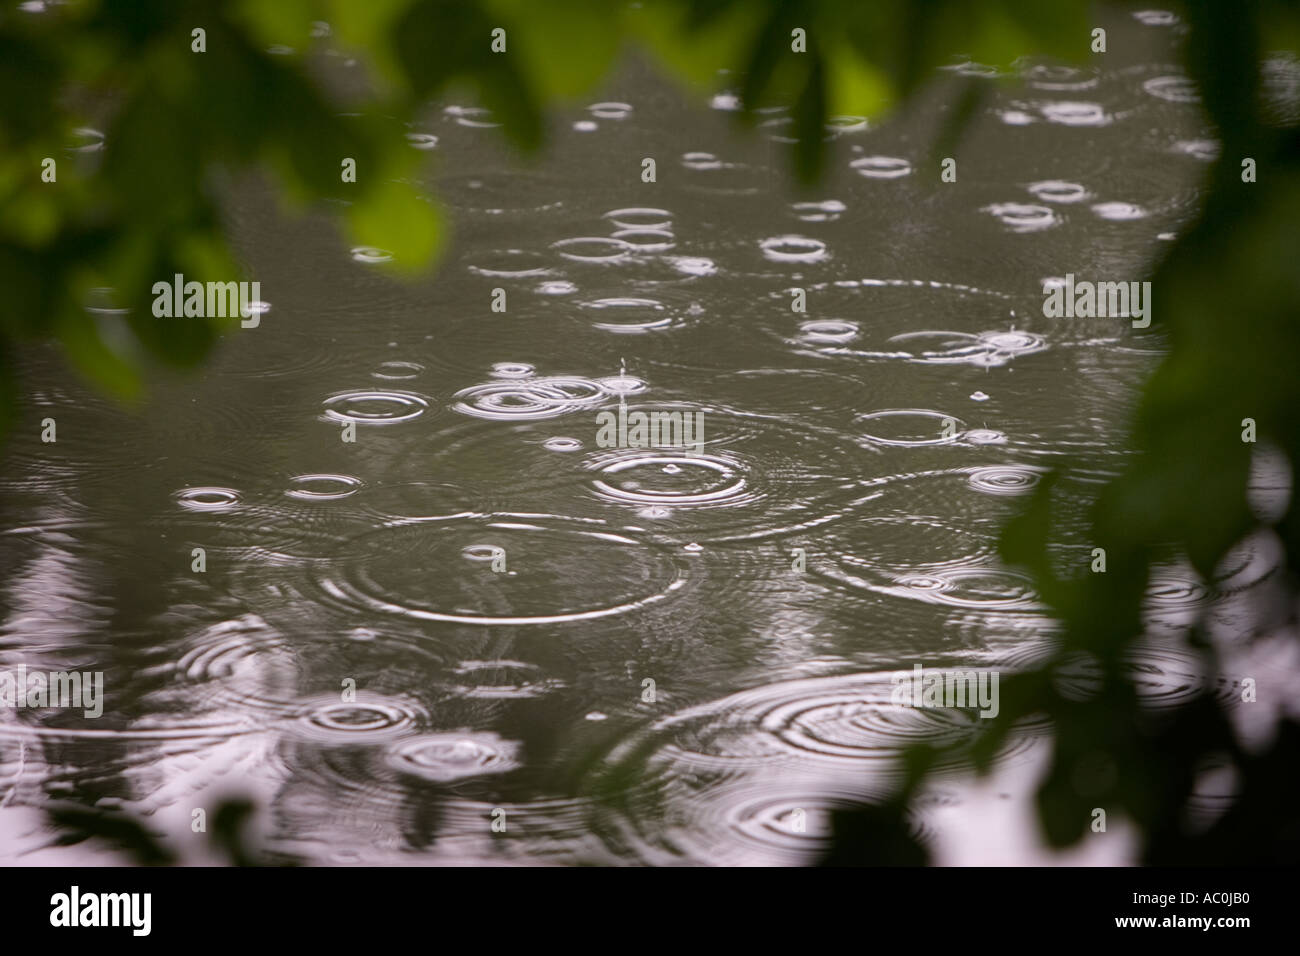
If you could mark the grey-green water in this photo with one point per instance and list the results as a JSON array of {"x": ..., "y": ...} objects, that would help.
[{"x": 642, "y": 674}]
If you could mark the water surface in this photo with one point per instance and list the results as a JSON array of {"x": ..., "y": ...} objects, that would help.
[{"x": 501, "y": 589}]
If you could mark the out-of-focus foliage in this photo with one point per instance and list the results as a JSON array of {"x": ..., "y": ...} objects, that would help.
[
  {"x": 130, "y": 836},
  {"x": 1228, "y": 299},
  {"x": 175, "y": 122}
]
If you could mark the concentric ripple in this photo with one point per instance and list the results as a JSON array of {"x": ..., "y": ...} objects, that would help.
[
  {"x": 1058, "y": 191},
  {"x": 554, "y": 571},
  {"x": 1006, "y": 479},
  {"x": 969, "y": 587},
  {"x": 1071, "y": 113},
  {"x": 364, "y": 720},
  {"x": 793, "y": 249},
  {"x": 667, "y": 479},
  {"x": 640, "y": 217},
  {"x": 398, "y": 371},
  {"x": 374, "y": 407},
  {"x": 631, "y": 314},
  {"x": 371, "y": 254},
  {"x": 1119, "y": 211},
  {"x": 852, "y": 722},
  {"x": 454, "y": 756},
  {"x": 753, "y": 478},
  {"x": 827, "y": 210},
  {"x": 593, "y": 248},
  {"x": 986, "y": 349},
  {"x": 1165, "y": 674},
  {"x": 828, "y": 331},
  {"x": 246, "y": 667},
  {"x": 881, "y": 167},
  {"x": 502, "y": 680},
  {"x": 1024, "y": 217},
  {"x": 1175, "y": 89},
  {"x": 524, "y": 399},
  {"x": 208, "y": 498},
  {"x": 610, "y": 110},
  {"x": 323, "y": 487},
  {"x": 908, "y": 426}
]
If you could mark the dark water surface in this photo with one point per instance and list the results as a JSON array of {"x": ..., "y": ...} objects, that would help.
[{"x": 524, "y": 689}]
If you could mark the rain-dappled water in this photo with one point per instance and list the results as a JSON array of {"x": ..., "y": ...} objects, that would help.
[{"x": 639, "y": 655}]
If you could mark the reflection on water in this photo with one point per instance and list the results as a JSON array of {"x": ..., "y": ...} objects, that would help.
[{"x": 470, "y": 633}]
